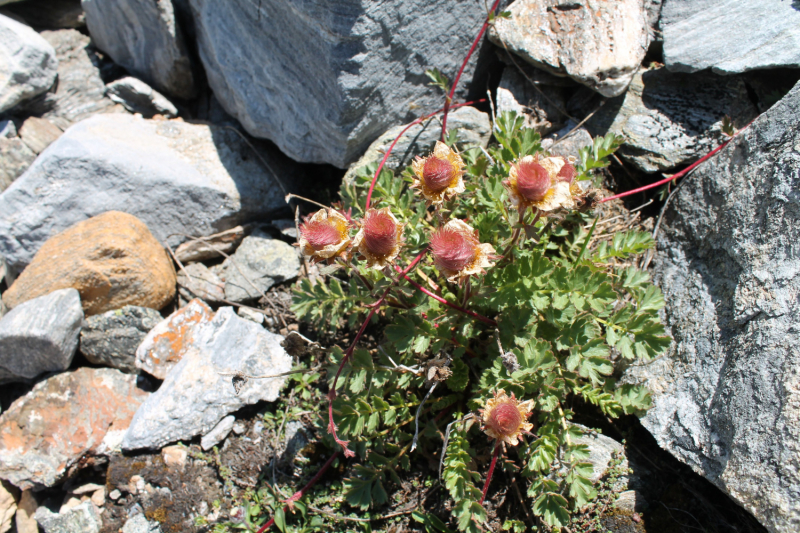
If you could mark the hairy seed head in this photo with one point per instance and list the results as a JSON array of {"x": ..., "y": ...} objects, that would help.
[
  {"x": 533, "y": 180},
  {"x": 453, "y": 250},
  {"x": 505, "y": 419},
  {"x": 321, "y": 233},
  {"x": 437, "y": 173},
  {"x": 380, "y": 233}
]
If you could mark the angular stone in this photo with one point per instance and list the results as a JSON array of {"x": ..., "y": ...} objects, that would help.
[
  {"x": 596, "y": 43},
  {"x": 166, "y": 343},
  {"x": 195, "y": 280},
  {"x": 472, "y": 127},
  {"x": 138, "y": 97},
  {"x": 111, "y": 339},
  {"x": 112, "y": 260},
  {"x": 568, "y": 143},
  {"x": 15, "y": 158},
  {"x": 146, "y": 39},
  {"x": 603, "y": 451},
  {"x": 83, "y": 518},
  {"x": 28, "y": 63},
  {"x": 726, "y": 401},
  {"x": 178, "y": 178},
  {"x": 80, "y": 91},
  {"x": 8, "y": 505},
  {"x": 40, "y": 335},
  {"x": 730, "y": 36},
  {"x": 198, "y": 392},
  {"x": 211, "y": 246},
  {"x": 218, "y": 434},
  {"x": 26, "y": 508},
  {"x": 38, "y": 134},
  {"x": 673, "y": 119},
  {"x": 51, "y": 14},
  {"x": 259, "y": 263},
  {"x": 358, "y": 69},
  {"x": 543, "y": 109},
  {"x": 138, "y": 523},
  {"x": 63, "y": 419}
]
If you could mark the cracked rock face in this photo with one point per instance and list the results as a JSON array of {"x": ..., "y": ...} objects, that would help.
[
  {"x": 324, "y": 78},
  {"x": 727, "y": 399},
  {"x": 597, "y": 43}
]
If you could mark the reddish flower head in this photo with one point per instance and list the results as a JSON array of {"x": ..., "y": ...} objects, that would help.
[
  {"x": 324, "y": 235},
  {"x": 439, "y": 176},
  {"x": 380, "y": 237},
  {"x": 458, "y": 253},
  {"x": 535, "y": 182},
  {"x": 506, "y": 418}
]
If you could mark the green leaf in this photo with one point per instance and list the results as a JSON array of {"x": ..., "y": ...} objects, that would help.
[
  {"x": 280, "y": 518},
  {"x": 459, "y": 379},
  {"x": 552, "y": 508}
]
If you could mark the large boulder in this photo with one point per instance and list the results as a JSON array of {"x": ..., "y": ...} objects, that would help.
[
  {"x": 198, "y": 391},
  {"x": 64, "y": 419},
  {"x": 112, "y": 260},
  {"x": 727, "y": 399},
  {"x": 730, "y": 36},
  {"x": 40, "y": 335},
  {"x": 324, "y": 78},
  {"x": 670, "y": 119},
  {"x": 28, "y": 63},
  {"x": 144, "y": 37},
  {"x": 597, "y": 43},
  {"x": 178, "y": 178}
]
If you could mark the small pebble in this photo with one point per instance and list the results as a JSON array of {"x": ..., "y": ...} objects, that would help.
[
  {"x": 115, "y": 495},
  {"x": 239, "y": 428},
  {"x": 99, "y": 497}
]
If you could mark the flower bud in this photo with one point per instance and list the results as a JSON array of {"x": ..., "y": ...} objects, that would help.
[
  {"x": 539, "y": 182},
  {"x": 505, "y": 418},
  {"x": 380, "y": 238},
  {"x": 439, "y": 176},
  {"x": 324, "y": 235},
  {"x": 458, "y": 253},
  {"x": 533, "y": 181}
]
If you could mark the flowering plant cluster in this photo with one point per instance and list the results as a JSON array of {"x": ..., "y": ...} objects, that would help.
[{"x": 493, "y": 310}]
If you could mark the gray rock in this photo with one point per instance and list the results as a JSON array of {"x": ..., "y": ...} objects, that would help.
[
  {"x": 138, "y": 97},
  {"x": 671, "y": 119},
  {"x": 603, "y": 452},
  {"x": 178, "y": 178},
  {"x": 473, "y": 128},
  {"x": 145, "y": 38},
  {"x": 543, "y": 109},
  {"x": 727, "y": 399},
  {"x": 358, "y": 69},
  {"x": 259, "y": 263},
  {"x": 249, "y": 314},
  {"x": 295, "y": 439},
  {"x": 111, "y": 339},
  {"x": 568, "y": 143},
  {"x": 28, "y": 63},
  {"x": 596, "y": 43},
  {"x": 194, "y": 397},
  {"x": 197, "y": 281},
  {"x": 80, "y": 92},
  {"x": 730, "y": 36},
  {"x": 82, "y": 518},
  {"x": 138, "y": 523},
  {"x": 38, "y": 134},
  {"x": 15, "y": 158},
  {"x": 286, "y": 226},
  {"x": 8, "y": 130},
  {"x": 40, "y": 335},
  {"x": 51, "y": 14},
  {"x": 218, "y": 434},
  {"x": 653, "y": 9}
]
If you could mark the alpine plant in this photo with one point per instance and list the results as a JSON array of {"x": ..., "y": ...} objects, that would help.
[{"x": 492, "y": 310}]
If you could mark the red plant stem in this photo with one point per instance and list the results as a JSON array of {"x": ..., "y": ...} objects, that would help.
[
  {"x": 495, "y": 455},
  {"x": 439, "y": 299},
  {"x": 463, "y": 66},
  {"x": 299, "y": 494},
  {"x": 374, "y": 307},
  {"x": 679, "y": 174},
  {"x": 391, "y": 147}
]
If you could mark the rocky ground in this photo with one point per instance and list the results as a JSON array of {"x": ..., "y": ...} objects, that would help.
[{"x": 146, "y": 261}]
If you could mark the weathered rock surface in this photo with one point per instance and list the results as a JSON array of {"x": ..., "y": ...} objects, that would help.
[
  {"x": 38, "y": 134},
  {"x": 358, "y": 70},
  {"x": 218, "y": 434},
  {"x": 197, "y": 281},
  {"x": 596, "y": 43},
  {"x": 28, "y": 64},
  {"x": 178, "y": 178},
  {"x": 26, "y": 508},
  {"x": 112, "y": 260},
  {"x": 83, "y": 517},
  {"x": 194, "y": 396},
  {"x": 138, "y": 523},
  {"x": 138, "y": 97},
  {"x": 568, "y": 143},
  {"x": 8, "y": 505},
  {"x": 210, "y": 247},
  {"x": 671, "y": 119},
  {"x": 259, "y": 263},
  {"x": 543, "y": 109},
  {"x": 166, "y": 343},
  {"x": 145, "y": 38},
  {"x": 472, "y": 127},
  {"x": 79, "y": 92},
  {"x": 111, "y": 339},
  {"x": 730, "y": 36},
  {"x": 51, "y": 14},
  {"x": 727, "y": 400},
  {"x": 15, "y": 158},
  {"x": 40, "y": 335},
  {"x": 63, "y": 419}
]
